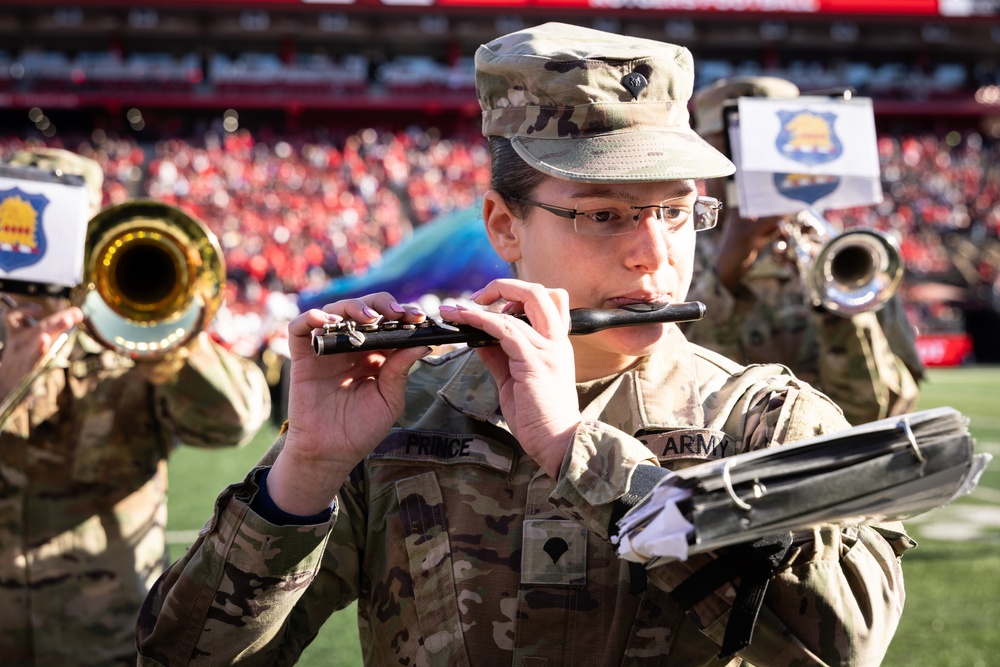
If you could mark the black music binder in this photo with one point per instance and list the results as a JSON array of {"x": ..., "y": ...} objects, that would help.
[{"x": 886, "y": 470}]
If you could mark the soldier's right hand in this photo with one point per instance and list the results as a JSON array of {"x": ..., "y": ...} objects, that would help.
[
  {"x": 30, "y": 334},
  {"x": 741, "y": 242},
  {"x": 340, "y": 406}
]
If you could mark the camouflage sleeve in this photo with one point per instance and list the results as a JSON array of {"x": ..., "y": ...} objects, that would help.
[
  {"x": 725, "y": 312},
  {"x": 246, "y": 592},
  {"x": 902, "y": 336},
  {"x": 838, "y": 598},
  {"x": 859, "y": 369},
  {"x": 216, "y": 399},
  {"x": 596, "y": 472}
]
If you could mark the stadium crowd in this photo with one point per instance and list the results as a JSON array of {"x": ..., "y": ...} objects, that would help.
[{"x": 295, "y": 210}]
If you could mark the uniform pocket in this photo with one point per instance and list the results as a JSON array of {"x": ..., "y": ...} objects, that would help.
[{"x": 428, "y": 547}]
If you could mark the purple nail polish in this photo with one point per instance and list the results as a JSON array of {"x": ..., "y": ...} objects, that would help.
[
  {"x": 369, "y": 312},
  {"x": 396, "y": 308}
]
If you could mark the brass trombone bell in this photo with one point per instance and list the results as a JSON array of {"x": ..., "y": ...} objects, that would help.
[{"x": 153, "y": 278}]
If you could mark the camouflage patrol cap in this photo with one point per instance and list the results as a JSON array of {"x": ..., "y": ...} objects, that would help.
[
  {"x": 708, "y": 101},
  {"x": 60, "y": 160},
  {"x": 594, "y": 107}
]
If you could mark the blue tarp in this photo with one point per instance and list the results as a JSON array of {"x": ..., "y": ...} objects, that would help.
[{"x": 447, "y": 256}]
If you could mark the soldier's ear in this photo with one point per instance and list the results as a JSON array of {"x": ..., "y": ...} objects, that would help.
[{"x": 502, "y": 227}]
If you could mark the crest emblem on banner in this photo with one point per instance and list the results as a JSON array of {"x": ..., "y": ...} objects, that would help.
[
  {"x": 808, "y": 188},
  {"x": 808, "y": 137},
  {"x": 22, "y": 236}
]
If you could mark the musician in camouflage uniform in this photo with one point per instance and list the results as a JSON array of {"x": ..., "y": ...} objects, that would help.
[
  {"x": 467, "y": 502},
  {"x": 758, "y": 309},
  {"x": 83, "y": 463}
]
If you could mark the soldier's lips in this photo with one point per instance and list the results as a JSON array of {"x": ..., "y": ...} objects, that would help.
[
  {"x": 641, "y": 304},
  {"x": 644, "y": 307}
]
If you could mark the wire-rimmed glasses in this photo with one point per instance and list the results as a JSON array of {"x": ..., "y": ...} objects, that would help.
[{"x": 606, "y": 217}]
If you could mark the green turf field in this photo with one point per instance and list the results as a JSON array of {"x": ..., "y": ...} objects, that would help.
[{"x": 952, "y": 616}]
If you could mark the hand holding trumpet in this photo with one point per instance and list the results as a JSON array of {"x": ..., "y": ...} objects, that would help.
[
  {"x": 34, "y": 328},
  {"x": 741, "y": 243},
  {"x": 845, "y": 273}
]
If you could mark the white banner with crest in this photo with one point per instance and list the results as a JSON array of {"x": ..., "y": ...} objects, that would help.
[
  {"x": 807, "y": 152},
  {"x": 43, "y": 227}
]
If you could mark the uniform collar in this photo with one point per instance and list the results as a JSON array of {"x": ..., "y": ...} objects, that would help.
[{"x": 659, "y": 393}]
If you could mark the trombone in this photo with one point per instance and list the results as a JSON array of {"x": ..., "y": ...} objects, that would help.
[
  {"x": 852, "y": 272},
  {"x": 153, "y": 279}
]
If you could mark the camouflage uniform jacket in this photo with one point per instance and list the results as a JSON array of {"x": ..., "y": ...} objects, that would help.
[
  {"x": 460, "y": 551},
  {"x": 83, "y": 493},
  {"x": 867, "y": 363}
]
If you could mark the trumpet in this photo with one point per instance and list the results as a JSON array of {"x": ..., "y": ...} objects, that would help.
[
  {"x": 349, "y": 336},
  {"x": 853, "y": 272},
  {"x": 153, "y": 279}
]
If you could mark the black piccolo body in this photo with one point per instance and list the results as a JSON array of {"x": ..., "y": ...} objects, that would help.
[{"x": 353, "y": 337}]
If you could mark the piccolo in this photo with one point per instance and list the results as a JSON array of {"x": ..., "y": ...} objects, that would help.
[{"x": 348, "y": 336}]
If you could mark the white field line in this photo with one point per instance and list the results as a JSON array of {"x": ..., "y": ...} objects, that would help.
[{"x": 182, "y": 536}]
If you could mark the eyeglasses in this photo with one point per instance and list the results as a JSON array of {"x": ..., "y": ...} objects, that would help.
[{"x": 604, "y": 217}]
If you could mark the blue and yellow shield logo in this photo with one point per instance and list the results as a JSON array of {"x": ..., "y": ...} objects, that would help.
[
  {"x": 808, "y": 137},
  {"x": 22, "y": 237}
]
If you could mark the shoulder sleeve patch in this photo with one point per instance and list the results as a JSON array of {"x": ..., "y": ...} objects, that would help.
[{"x": 690, "y": 443}]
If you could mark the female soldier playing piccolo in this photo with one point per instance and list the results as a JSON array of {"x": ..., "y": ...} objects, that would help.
[{"x": 468, "y": 502}]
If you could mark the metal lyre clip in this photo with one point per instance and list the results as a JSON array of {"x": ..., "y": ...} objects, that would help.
[
  {"x": 904, "y": 422},
  {"x": 727, "y": 481}
]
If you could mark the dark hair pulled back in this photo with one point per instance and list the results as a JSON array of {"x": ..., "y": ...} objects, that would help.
[{"x": 512, "y": 177}]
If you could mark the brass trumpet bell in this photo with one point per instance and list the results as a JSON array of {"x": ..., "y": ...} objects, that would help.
[
  {"x": 857, "y": 271},
  {"x": 153, "y": 278},
  {"x": 849, "y": 273}
]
